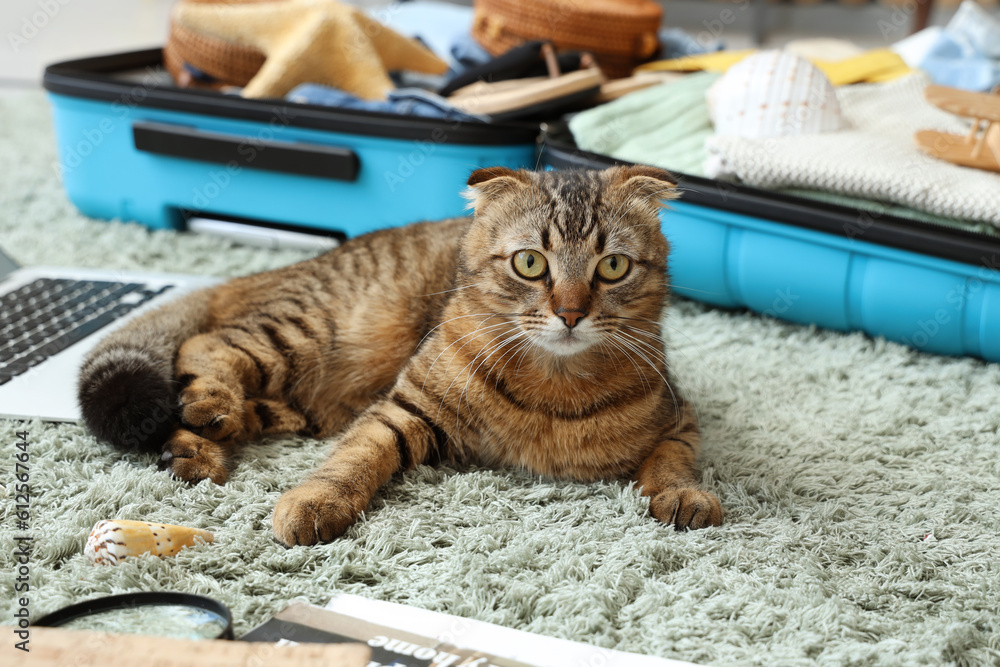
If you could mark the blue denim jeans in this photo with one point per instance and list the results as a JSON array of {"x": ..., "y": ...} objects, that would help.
[{"x": 403, "y": 101}]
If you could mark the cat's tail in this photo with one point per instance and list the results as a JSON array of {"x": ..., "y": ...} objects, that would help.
[{"x": 126, "y": 389}]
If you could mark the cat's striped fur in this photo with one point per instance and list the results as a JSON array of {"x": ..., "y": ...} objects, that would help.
[{"x": 424, "y": 343}]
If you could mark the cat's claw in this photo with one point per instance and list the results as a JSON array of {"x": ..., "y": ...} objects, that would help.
[
  {"x": 309, "y": 514},
  {"x": 211, "y": 408},
  {"x": 686, "y": 507},
  {"x": 193, "y": 458}
]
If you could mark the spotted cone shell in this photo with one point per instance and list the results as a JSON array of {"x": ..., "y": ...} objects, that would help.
[
  {"x": 774, "y": 94},
  {"x": 112, "y": 541}
]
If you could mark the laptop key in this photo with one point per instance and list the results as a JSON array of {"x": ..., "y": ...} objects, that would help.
[
  {"x": 32, "y": 359},
  {"x": 90, "y": 327},
  {"x": 56, "y": 345},
  {"x": 21, "y": 347},
  {"x": 14, "y": 368}
]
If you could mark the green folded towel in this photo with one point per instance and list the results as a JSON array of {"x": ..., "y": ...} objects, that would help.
[{"x": 664, "y": 125}]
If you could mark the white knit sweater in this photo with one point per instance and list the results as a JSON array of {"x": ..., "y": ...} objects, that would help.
[{"x": 875, "y": 158}]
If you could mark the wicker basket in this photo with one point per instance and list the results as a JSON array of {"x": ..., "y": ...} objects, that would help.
[
  {"x": 228, "y": 63},
  {"x": 620, "y": 33}
]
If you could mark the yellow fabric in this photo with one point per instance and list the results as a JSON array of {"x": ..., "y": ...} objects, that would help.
[
  {"x": 870, "y": 67},
  {"x": 719, "y": 61}
]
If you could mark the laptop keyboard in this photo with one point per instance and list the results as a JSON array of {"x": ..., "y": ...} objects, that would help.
[{"x": 44, "y": 317}]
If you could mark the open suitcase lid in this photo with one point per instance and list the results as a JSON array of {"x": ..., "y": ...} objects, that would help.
[
  {"x": 106, "y": 78},
  {"x": 911, "y": 235}
]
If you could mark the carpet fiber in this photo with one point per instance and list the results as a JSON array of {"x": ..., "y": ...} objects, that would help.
[{"x": 860, "y": 481}]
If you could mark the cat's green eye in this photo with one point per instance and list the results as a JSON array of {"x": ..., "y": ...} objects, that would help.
[
  {"x": 613, "y": 267},
  {"x": 530, "y": 264}
]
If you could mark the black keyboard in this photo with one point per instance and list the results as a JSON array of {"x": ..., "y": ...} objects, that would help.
[{"x": 44, "y": 317}]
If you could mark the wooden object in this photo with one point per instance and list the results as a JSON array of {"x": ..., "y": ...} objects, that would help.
[
  {"x": 620, "y": 33},
  {"x": 500, "y": 97},
  {"x": 979, "y": 148},
  {"x": 56, "y": 647},
  {"x": 612, "y": 90}
]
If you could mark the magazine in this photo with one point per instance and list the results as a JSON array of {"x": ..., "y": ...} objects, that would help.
[
  {"x": 404, "y": 636},
  {"x": 299, "y": 623}
]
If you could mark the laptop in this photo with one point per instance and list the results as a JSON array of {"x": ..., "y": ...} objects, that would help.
[{"x": 50, "y": 318}]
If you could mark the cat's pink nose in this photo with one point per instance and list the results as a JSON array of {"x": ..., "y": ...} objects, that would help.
[{"x": 571, "y": 317}]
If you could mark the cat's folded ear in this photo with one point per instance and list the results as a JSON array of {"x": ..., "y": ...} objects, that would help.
[
  {"x": 486, "y": 185},
  {"x": 654, "y": 183}
]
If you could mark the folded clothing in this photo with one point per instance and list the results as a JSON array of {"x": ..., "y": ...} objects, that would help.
[
  {"x": 439, "y": 25},
  {"x": 876, "y": 209},
  {"x": 973, "y": 24},
  {"x": 403, "y": 101},
  {"x": 954, "y": 62},
  {"x": 467, "y": 53},
  {"x": 664, "y": 125},
  {"x": 964, "y": 54},
  {"x": 677, "y": 43},
  {"x": 875, "y": 159}
]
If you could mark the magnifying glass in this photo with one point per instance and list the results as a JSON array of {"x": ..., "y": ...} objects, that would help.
[{"x": 165, "y": 614}]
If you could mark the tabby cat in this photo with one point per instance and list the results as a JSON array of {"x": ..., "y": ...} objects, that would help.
[{"x": 527, "y": 335}]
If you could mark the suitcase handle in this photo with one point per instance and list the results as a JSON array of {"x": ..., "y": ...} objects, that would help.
[{"x": 340, "y": 164}]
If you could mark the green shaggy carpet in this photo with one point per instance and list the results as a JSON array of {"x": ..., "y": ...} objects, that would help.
[{"x": 861, "y": 482}]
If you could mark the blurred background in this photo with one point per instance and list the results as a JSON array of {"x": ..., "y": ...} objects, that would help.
[{"x": 39, "y": 32}]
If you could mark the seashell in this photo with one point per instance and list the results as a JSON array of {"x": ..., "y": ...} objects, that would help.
[
  {"x": 774, "y": 94},
  {"x": 112, "y": 541}
]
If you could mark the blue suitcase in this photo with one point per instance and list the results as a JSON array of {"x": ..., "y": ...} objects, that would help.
[
  {"x": 931, "y": 287},
  {"x": 133, "y": 146}
]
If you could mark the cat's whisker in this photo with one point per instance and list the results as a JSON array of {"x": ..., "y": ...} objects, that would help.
[
  {"x": 658, "y": 353},
  {"x": 454, "y": 289},
  {"x": 643, "y": 346},
  {"x": 658, "y": 325},
  {"x": 614, "y": 359},
  {"x": 532, "y": 343},
  {"x": 459, "y": 374},
  {"x": 489, "y": 349},
  {"x": 465, "y": 389},
  {"x": 647, "y": 337},
  {"x": 477, "y": 329},
  {"x": 623, "y": 317},
  {"x": 638, "y": 350},
  {"x": 660, "y": 349},
  {"x": 643, "y": 380},
  {"x": 692, "y": 289},
  {"x": 475, "y": 332},
  {"x": 488, "y": 316},
  {"x": 513, "y": 352},
  {"x": 523, "y": 346},
  {"x": 656, "y": 337},
  {"x": 618, "y": 326}
]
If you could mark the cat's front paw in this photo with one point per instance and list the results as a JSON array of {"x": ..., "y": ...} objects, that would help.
[
  {"x": 686, "y": 507},
  {"x": 193, "y": 458},
  {"x": 311, "y": 513},
  {"x": 211, "y": 408}
]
